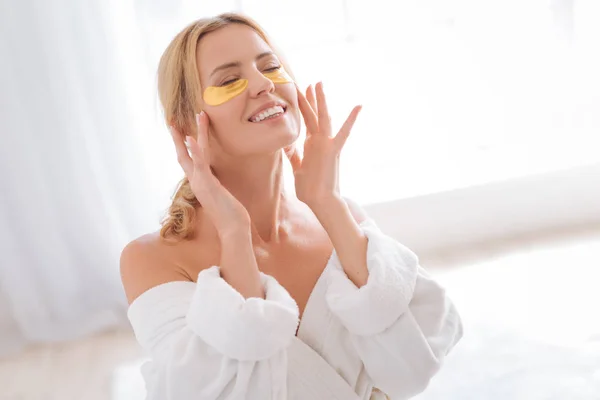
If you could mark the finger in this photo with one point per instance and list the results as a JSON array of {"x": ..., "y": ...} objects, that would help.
[
  {"x": 344, "y": 132},
  {"x": 323, "y": 112},
  {"x": 196, "y": 153},
  {"x": 202, "y": 124},
  {"x": 309, "y": 116},
  {"x": 292, "y": 154},
  {"x": 198, "y": 145},
  {"x": 310, "y": 96},
  {"x": 183, "y": 157}
]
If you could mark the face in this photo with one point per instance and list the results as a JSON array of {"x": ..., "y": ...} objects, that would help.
[{"x": 238, "y": 74}]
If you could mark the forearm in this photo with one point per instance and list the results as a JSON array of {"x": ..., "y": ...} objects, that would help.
[
  {"x": 238, "y": 265},
  {"x": 346, "y": 236}
]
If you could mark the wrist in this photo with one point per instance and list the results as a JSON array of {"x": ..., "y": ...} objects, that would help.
[
  {"x": 237, "y": 234},
  {"x": 323, "y": 206}
]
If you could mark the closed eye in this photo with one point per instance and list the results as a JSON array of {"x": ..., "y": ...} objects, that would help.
[
  {"x": 229, "y": 82},
  {"x": 273, "y": 69}
]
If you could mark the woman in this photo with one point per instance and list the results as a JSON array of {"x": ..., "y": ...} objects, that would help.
[{"x": 249, "y": 292}]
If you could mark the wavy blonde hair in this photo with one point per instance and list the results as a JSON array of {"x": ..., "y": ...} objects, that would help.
[{"x": 179, "y": 92}]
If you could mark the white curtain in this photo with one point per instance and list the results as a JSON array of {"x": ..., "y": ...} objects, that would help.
[{"x": 75, "y": 182}]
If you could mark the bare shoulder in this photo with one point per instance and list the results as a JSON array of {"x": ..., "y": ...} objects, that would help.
[
  {"x": 357, "y": 211},
  {"x": 147, "y": 262}
]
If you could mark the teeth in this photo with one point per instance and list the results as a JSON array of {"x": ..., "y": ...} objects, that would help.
[{"x": 269, "y": 112}]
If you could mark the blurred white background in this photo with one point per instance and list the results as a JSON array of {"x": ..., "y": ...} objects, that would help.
[
  {"x": 481, "y": 123},
  {"x": 462, "y": 92}
]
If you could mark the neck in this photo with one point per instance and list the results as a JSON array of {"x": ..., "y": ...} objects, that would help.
[{"x": 257, "y": 183}]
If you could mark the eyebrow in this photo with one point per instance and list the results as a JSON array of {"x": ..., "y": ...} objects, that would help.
[{"x": 237, "y": 63}]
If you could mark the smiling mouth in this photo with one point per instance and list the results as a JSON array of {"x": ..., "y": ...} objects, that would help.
[{"x": 269, "y": 113}]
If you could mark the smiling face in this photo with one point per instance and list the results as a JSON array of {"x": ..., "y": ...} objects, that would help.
[{"x": 251, "y": 104}]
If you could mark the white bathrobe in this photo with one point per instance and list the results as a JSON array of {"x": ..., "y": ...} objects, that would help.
[{"x": 205, "y": 341}]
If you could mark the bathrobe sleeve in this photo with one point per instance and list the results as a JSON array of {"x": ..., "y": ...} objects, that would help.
[
  {"x": 205, "y": 341},
  {"x": 401, "y": 321}
]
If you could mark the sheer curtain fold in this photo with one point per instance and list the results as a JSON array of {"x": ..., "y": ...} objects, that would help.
[{"x": 74, "y": 187}]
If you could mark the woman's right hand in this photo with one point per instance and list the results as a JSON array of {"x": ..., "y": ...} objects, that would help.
[{"x": 227, "y": 214}]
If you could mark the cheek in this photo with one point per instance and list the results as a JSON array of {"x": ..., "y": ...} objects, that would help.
[
  {"x": 297, "y": 118},
  {"x": 226, "y": 124},
  {"x": 225, "y": 116},
  {"x": 296, "y": 114},
  {"x": 288, "y": 93}
]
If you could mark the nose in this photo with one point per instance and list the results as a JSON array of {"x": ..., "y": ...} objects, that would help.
[{"x": 258, "y": 84}]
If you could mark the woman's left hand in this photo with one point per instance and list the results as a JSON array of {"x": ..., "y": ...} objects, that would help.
[{"x": 317, "y": 172}]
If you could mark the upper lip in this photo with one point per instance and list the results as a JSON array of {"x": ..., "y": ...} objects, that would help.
[{"x": 267, "y": 105}]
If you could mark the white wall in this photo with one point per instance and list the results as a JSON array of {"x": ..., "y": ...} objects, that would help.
[{"x": 496, "y": 210}]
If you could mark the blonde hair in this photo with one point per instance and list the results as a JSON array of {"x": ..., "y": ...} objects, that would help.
[{"x": 179, "y": 93}]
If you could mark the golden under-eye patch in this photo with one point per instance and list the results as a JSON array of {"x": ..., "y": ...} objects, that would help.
[
  {"x": 217, "y": 95},
  {"x": 279, "y": 76}
]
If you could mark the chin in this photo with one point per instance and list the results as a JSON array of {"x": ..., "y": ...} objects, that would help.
[
  {"x": 270, "y": 137},
  {"x": 278, "y": 142},
  {"x": 277, "y": 137},
  {"x": 289, "y": 137}
]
